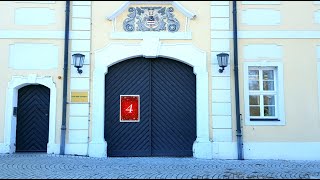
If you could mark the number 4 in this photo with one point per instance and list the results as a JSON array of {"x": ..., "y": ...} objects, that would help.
[{"x": 129, "y": 109}]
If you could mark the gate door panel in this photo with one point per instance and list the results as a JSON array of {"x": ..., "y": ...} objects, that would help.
[
  {"x": 33, "y": 119},
  {"x": 167, "y": 125},
  {"x": 130, "y": 77},
  {"x": 173, "y": 108}
]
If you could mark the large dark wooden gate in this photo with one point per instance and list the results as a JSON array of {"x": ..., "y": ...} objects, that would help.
[
  {"x": 33, "y": 119},
  {"x": 167, "y": 90}
]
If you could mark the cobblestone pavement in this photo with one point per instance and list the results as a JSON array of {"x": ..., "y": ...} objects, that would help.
[{"x": 41, "y": 166}]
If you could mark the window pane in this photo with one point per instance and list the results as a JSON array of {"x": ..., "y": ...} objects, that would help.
[
  {"x": 254, "y": 111},
  {"x": 269, "y": 111},
  {"x": 254, "y": 73},
  {"x": 254, "y": 100},
  {"x": 253, "y": 85},
  {"x": 268, "y": 100},
  {"x": 267, "y": 74},
  {"x": 268, "y": 85}
]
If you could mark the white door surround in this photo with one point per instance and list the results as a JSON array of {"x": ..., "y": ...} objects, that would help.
[
  {"x": 14, "y": 85},
  {"x": 150, "y": 48}
]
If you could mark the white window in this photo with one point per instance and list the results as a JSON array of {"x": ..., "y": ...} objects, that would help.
[
  {"x": 318, "y": 60},
  {"x": 263, "y": 91},
  {"x": 319, "y": 84}
]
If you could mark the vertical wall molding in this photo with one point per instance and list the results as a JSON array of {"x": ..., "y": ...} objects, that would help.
[
  {"x": 78, "y": 122},
  {"x": 319, "y": 84},
  {"x": 221, "y": 82},
  {"x": 318, "y": 72}
]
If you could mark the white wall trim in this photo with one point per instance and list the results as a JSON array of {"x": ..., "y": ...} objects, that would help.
[
  {"x": 319, "y": 85},
  {"x": 143, "y": 35},
  {"x": 14, "y": 85},
  {"x": 30, "y": 56},
  {"x": 224, "y": 150},
  {"x": 268, "y": 150},
  {"x": 261, "y": 17},
  {"x": 316, "y": 16},
  {"x": 280, "y": 94},
  {"x": 228, "y": 150},
  {"x": 267, "y": 34},
  {"x": 81, "y": 3},
  {"x": 318, "y": 74},
  {"x": 183, "y": 10},
  {"x": 175, "y": 4},
  {"x": 220, "y": 11},
  {"x": 221, "y": 108},
  {"x": 34, "y": 16},
  {"x": 40, "y": 2},
  {"x": 73, "y": 149},
  {"x": 4, "y": 148},
  {"x": 117, "y": 52},
  {"x": 262, "y": 51},
  {"x": 36, "y": 34},
  {"x": 220, "y": 3},
  {"x": 261, "y": 2},
  {"x": 282, "y": 150}
]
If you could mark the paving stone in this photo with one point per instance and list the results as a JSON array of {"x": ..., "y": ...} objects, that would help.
[{"x": 50, "y": 166}]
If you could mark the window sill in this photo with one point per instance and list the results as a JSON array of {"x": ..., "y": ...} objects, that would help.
[
  {"x": 263, "y": 119},
  {"x": 143, "y": 35},
  {"x": 264, "y": 122}
]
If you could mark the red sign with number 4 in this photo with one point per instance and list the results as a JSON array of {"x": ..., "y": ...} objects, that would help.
[{"x": 129, "y": 108}]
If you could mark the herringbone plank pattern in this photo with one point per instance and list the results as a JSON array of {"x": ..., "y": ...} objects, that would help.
[
  {"x": 167, "y": 92},
  {"x": 33, "y": 118}
]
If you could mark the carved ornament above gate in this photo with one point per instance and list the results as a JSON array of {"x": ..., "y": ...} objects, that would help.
[
  {"x": 151, "y": 19},
  {"x": 141, "y": 19}
]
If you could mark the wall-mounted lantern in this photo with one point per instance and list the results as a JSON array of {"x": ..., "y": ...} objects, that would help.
[
  {"x": 78, "y": 60},
  {"x": 222, "y": 61}
]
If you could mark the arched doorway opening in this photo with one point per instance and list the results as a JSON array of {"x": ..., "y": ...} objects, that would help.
[
  {"x": 32, "y": 132},
  {"x": 167, "y": 91}
]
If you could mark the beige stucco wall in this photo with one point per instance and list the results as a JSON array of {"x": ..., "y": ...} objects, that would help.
[
  {"x": 8, "y": 73},
  {"x": 54, "y": 73},
  {"x": 299, "y": 59},
  {"x": 101, "y": 27},
  {"x": 7, "y": 23},
  {"x": 200, "y": 28},
  {"x": 7, "y": 15},
  {"x": 300, "y": 93},
  {"x": 294, "y": 15}
]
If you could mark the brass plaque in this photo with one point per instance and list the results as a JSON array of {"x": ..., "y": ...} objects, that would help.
[{"x": 79, "y": 97}]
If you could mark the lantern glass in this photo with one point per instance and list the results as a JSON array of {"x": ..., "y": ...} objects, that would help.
[
  {"x": 78, "y": 60},
  {"x": 222, "y": 61}
]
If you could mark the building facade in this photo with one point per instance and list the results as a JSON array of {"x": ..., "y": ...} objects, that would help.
[{"x": 150, "y": 83}]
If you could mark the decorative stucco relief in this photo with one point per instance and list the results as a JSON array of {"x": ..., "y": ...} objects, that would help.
[{"x": 151, "y": 19}]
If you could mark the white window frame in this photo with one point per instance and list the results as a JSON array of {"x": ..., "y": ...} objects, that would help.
[
  {"x": 278, "y": 84},
  {"x": 260, "y": 92},
  {"x": 318, "y": 73},
  {"x": 319, "y": 84}
]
